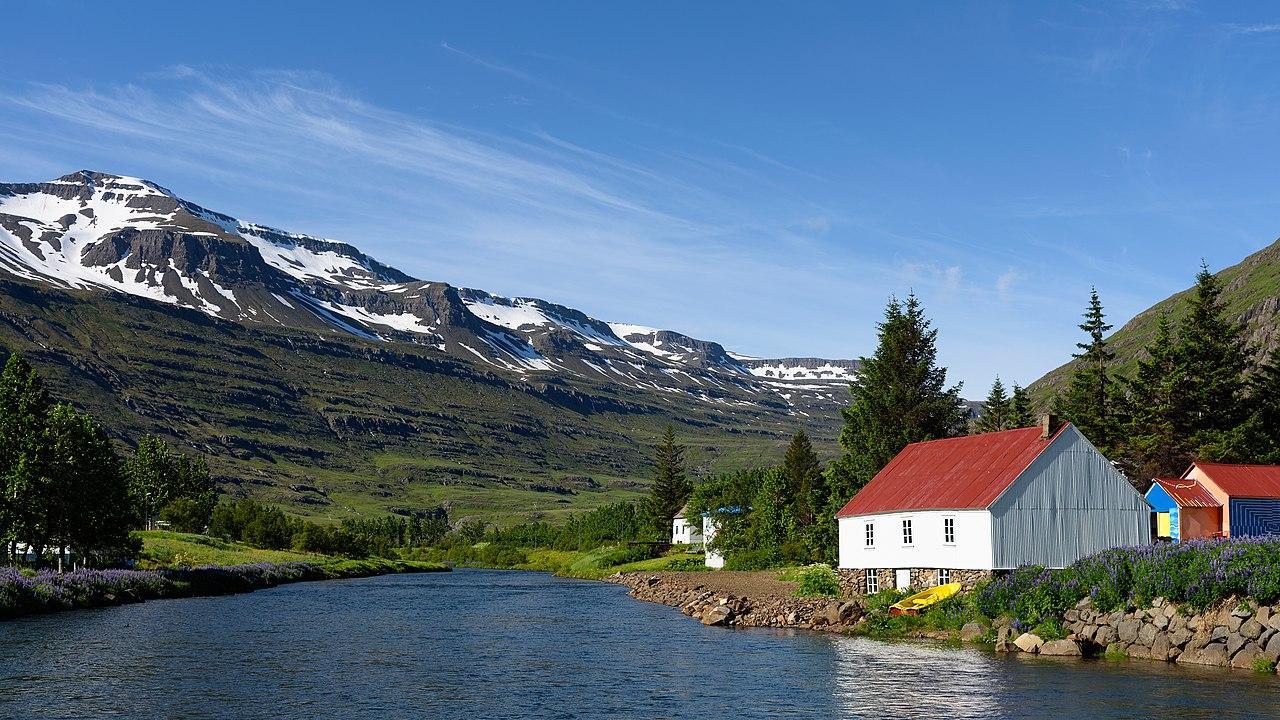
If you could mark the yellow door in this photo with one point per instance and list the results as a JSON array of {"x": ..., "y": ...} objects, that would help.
[{"x": 1162, "y": 524}]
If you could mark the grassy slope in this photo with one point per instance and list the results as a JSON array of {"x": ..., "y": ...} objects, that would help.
[
  {"x": 331, "y": 427},
  {"x": 1251, "y": 289},
  {"x": 162, "y": 549}
]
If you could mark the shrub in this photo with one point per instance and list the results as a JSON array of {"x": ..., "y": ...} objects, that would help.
[
  {"x": 188, "y": 515},
  {"x": 750, "y": 560},
  {"x": 818, "y": 580},
  {"x": 687, "y": 564}
]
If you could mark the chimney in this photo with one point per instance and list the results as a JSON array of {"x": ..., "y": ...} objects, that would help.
[{"x": 1048, "y": 426}]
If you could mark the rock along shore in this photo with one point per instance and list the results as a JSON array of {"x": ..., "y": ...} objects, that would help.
[{"x": 742, "y": 600}]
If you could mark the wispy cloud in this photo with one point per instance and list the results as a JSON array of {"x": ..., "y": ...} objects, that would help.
[{"x": 1254, "y": 29}]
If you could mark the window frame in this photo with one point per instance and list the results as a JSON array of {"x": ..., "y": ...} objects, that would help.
[
  {"x": 944, "y": 572},
  {"x": 871, "y": 580},
  {"x": 948, "y": 531},
  {"x": 908, "y": 533},
  {"x": 869, "y": 530}
]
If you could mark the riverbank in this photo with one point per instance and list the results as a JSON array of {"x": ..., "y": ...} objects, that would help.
[
  {"x": 1234, "y": 633},
  {"x": 742, "y": 599},
  {"x": 176, "y": 566}
]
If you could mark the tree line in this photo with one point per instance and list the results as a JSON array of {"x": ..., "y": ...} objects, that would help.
[
  {"x": 64, "y": 489},
  {"x": 1198, "y": 391}
]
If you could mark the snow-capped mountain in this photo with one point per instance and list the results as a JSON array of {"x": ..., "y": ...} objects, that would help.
[{"x": 96, "y": 231}]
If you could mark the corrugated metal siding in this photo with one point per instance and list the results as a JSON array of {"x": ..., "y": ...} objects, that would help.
[
  {"x": 1069, "y": 503},
  {"x": 1255, "y": 516}
]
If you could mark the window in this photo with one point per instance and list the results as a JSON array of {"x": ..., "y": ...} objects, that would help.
[
  {"x": 949, "y": 531},
  {"x": 871, "y": 535},
  {"x": 944, "y": 576},
  {"x": 906, "y": 532},
  {"x": 873, "y": 582}
]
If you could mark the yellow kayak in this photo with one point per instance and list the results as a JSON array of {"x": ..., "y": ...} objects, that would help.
[{"x": 921, "y": 600}]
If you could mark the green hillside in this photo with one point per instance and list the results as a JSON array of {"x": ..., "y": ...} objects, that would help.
[
  {"x": 1251, "y": 291},
  {"x": 333, "y": 426}
]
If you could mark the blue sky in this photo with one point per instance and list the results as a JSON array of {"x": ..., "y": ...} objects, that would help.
[{"x": 761, "y": 175}]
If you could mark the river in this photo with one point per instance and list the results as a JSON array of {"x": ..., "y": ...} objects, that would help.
[{"x": 489, "y": 644}]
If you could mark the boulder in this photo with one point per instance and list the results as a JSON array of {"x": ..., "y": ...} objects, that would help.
[
  {"x": 1243, "y": 612},
  {"x": 1213, "y": 654},
  {"x": 1060, "y": 648},
  {"x": 1161, "y": 646},
  {"x": 1273, "y": 622},
  {"x": 1179, "y": 638},
  {"x": 1146, "y": 635},
  {"x": 718, "y": 615},
  {"x": 1273, "y": 645},
  {"x": 1251, "y": 629},
  {"x": 1028, "y": 642},
  {"x": 1219, "y": 634},
  {"x": 1236, "y": 641},
  {"x": 1002, "y": 639},
  {"x": 1245, "y": 656},
  {"x": 972, "y": 631},
  {"x": 1234, "y": 623},
  {"x": 1127, "y": 630},
  {"x": 1105, "y": 635},
  {"x": 1160, "y": 621},
  {"x": 1263, "y": 614}
]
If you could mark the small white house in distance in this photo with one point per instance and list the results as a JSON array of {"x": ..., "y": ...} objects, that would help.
[
  {"x": 711, "y": 558},
  {"x": 684, "y": 532},
  {"x": 958, "y": 509}
]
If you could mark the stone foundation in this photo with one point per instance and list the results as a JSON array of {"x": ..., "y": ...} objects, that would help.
[{"x": 853, "y": 580}]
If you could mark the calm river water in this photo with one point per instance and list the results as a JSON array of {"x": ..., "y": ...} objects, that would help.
[{"x": 486, "y": 644}]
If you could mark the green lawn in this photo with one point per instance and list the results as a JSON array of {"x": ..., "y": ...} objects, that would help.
[{"x": 163, "y": 549}]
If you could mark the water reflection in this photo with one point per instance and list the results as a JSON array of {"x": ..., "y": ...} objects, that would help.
[{"x": 481, "y": 644}]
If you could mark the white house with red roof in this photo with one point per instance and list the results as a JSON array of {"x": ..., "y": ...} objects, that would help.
[{"x": 957, "y": 509}]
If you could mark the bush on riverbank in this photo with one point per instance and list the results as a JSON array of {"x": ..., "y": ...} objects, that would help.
[{"x": 1196, "y": 574}]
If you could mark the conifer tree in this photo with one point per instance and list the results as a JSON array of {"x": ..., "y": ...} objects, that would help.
[
  {"x": 803, "y": 475},
  {"x": 24, "y": 409},
  {"x": 671, "y": 488},
  {"x": 996, "y": 410},
  {"x": 900, "y": 396},
  {"x": 1261, "y": 433},
  {"x": 1157, "y": 442},
  {"x": 1087, "y": 401},
  {"x": 158, "y": 477},
  {"x": 1021, "y": 413},
  {"x": 1214, "y": 359}
]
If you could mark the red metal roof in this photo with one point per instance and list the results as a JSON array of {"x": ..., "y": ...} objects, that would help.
[
  {"x": 1244, "y": 480},
  {"x": 1188, "y": 492},
  {"x": 952, "y": 474}
]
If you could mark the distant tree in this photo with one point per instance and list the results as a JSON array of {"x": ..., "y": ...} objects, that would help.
[
  {"x": 1021, "y": 414},
  {"x": 158, "y": 476},
  {"x": 1156, "y": 440},
  {"x": 802, "y": 472},
  {"x": 24, "y": 410},
  {"x": 1214, "y": 358},
  {"x": 997, "y": 410},
  {"x": 1260, "y": 434},
  {"x": 1087, "y": 401},
  {"x": 85, "y": 500},
  {"x": 670, "y": 488},
  {"x": 899, "y": 396}
]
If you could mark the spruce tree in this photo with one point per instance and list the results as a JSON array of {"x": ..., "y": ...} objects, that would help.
[
  {"x": 803, "y": 475},
  {"x": 996, "y": 410},
  {"x": 899, "y": 396},
  {"x": 1157, "y": 443},
  {"x": 1262, "y": 430},
  {"x": 1021, "y": 414},
  {"x": 1087, "y": 401},
  {"x": 24, "y": 409},
  {"x": 671, "y": 488},
  {"x": 1214, "y": 359}
]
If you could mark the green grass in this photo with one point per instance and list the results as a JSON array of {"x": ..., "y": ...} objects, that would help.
[{"x": 163, "y": 549}]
